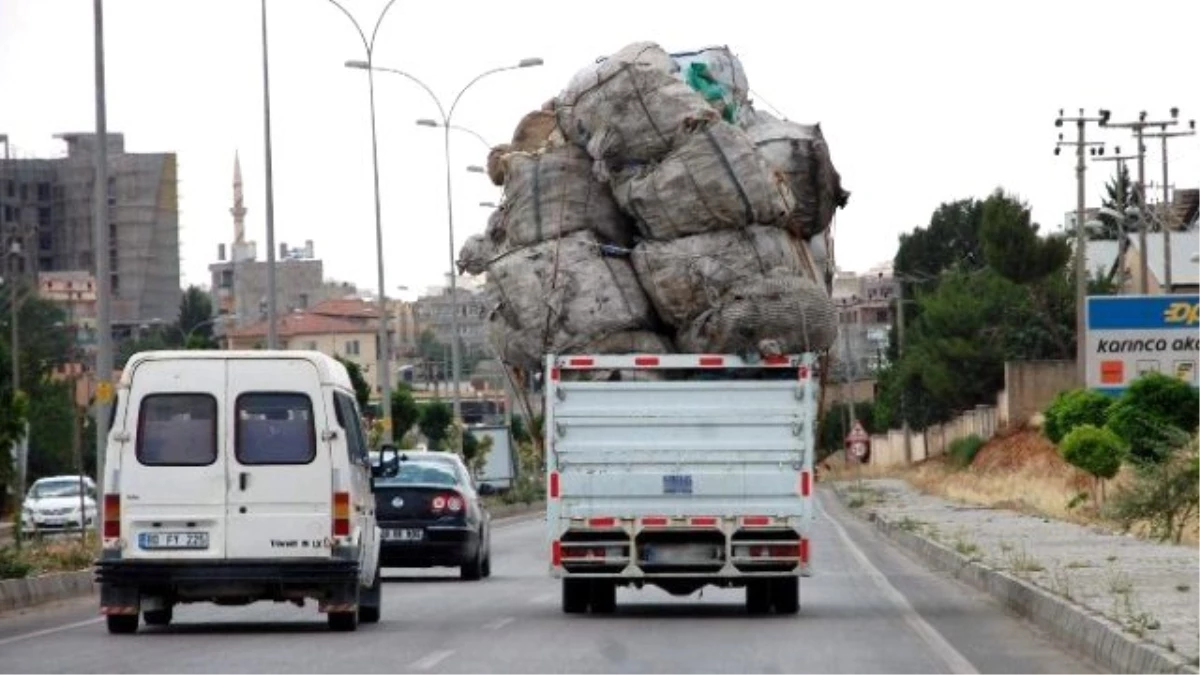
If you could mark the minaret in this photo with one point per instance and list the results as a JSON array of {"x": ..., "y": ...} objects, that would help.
[{"x": 239, "y": 208}]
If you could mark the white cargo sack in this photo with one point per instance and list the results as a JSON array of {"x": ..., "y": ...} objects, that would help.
[
  {"x": 686, "y": 276},
  {"x": 778, "y": 313},
  {"x": 715, "y": 180},
  {"x": 799, "y": 153},
  {"x": 553, "y": 193},
  {"x": 630, "y": 106},
  {"x": 562, "y": 294}
]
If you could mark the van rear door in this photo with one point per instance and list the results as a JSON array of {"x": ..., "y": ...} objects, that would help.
[
  {"x": 172, "y": 470},
  {"x": 279, "y": 470}
]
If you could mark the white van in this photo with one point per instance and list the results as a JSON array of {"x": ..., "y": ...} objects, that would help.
[{"x": 233, "y": 477}]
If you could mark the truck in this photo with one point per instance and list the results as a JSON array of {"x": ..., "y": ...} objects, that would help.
[{"x": 680, "y": 471}]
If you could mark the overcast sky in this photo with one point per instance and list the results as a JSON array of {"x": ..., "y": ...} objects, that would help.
[{"x": 921, "y": 102}]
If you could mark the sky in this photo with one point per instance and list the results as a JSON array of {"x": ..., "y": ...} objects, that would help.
[{"x": 921, "y": 103}]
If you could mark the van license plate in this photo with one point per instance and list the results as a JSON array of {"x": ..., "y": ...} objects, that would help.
[
  {"x": 408, "y": 534},
  {"x": 172, "y": 540}
]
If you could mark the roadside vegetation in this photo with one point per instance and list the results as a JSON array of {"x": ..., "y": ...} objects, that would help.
[{"x": 64, "y": 553}]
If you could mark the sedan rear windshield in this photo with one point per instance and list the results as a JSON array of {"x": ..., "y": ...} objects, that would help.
[
  {"x": 177, "y": 430},
  {"x": 421, "y": 472},
  {"x": 275, "y": 428}
]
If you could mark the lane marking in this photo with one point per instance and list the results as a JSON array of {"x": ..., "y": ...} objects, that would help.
[
  {"x": 951, "y": 657},
  {"x": 49, "y": 631},
  {"x": 542, "y": 599},
  {"x": 430, "y": 660},
  {"x": 498, "y": 623}
]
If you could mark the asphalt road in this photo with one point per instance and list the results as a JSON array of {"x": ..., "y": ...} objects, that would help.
[{"x": 867, "y": 608}]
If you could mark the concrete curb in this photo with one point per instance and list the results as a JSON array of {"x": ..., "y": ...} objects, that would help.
[
  {"x": 1079, "y": 627},
  {"x": 33, "y": 591}
]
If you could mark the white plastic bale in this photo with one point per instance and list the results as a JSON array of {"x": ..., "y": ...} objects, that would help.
[
  {"x": 777, "y": 313},
  {"x": 553, "y": 193},
  {"x": 799, "y": 153},
  {"x": 686, "y": 276},
  {"x": 560, "y": 295},
  {"x": 630, "y": 107},
  {"x": 715, "y": 180}
]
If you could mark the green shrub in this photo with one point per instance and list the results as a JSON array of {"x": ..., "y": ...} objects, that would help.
[
  {"x": 1073, "y": 409},
  {"x": 1096, "y": 450},
  {"x": 1167, "y": 397},
  {"x": 1148, "y": 435},
  {"x": 12, "y": 566},
  {"x": 1165, "y": 495},
  {"x": 962, "y": 451}
]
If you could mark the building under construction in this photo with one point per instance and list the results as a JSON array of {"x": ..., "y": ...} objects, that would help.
[{"x": 46, "y": 207}]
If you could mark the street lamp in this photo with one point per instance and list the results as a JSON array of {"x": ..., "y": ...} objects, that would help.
[
  {"x": 447, "y": 125},
  {"x": 384, "y": 353},
  {"x": 187, "y": 337}
]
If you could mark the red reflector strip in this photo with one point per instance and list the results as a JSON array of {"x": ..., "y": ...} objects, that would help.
[
  {"x": 646, "y": 361},
  {"x": 756, "y": 520},
  {"x": 602, "y": 522},
  {"x": 654, "y": 521},
  {"x": 710, "y": 361},
  {"x": 556, "y": 553},
  {"x": 581, "y": 362},
  {"x": 555, "y": 374},
  {"x": 779, "y": 360},
  {"x": 706, "y": 521},
  {"x": 553, "y": 479},
  {"x": 804, "y": 551},
  {"x": 803, "y": 372},
  {"x": 805, "y": 483}
]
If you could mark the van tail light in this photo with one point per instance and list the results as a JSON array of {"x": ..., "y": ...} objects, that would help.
[
  {"x": 112, "y": 516},
  {"x": 341, "y": 514}
]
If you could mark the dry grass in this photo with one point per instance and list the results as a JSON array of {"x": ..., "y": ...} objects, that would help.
[{"x": 59, "y": 554}]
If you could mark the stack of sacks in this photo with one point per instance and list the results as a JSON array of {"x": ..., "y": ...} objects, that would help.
[{"x": 649, "y": 208}]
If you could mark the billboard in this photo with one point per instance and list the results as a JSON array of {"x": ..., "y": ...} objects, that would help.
[{"x": 1128, "y": 335}]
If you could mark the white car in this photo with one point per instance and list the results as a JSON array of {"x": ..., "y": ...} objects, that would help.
[{"x": 53, "y": 504}]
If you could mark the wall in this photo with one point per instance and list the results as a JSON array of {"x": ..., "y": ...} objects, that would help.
[
  {"x": 1031, "y": 385},
  {"x": 888, "y": 449}
]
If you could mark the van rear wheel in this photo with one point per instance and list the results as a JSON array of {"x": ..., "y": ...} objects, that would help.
[
  {"x": 122, "y": 624},
  {"x": 371, "y": 601}
]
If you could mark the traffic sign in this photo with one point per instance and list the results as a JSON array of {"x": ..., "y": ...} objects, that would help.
[
  {"x": 104, "y": 392},
  {"x": 858, "y": 441},
  {"x": 858, "y": 433}
]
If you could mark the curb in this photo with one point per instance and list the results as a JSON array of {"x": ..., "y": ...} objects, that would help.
[
  {"x": 1080, "y": 628},
  {"x": 33, "y": 591}
]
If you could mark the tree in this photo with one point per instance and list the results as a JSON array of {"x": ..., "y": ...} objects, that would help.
[
  {"x": 405, "y": 412},
  {"x": 435, "y": 423},
  {"x": 1165, "y": 495},
  {"x": 1096, "y": 450},
  {"x": 194, "y": 328},
  {"x": 1119, "y": 194},
  {"x": 1073, "y": 409},
  {"x": 51, "y": 430},
  {"x": 950, "y": 241},
  {"x": 362, "y": 390}
]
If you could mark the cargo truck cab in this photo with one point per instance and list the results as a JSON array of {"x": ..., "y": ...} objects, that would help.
[{"x": 234, "y": 477}]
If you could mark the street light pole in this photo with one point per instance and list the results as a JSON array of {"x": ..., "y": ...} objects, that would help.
[
  {"x": 384, "y": 351},
  {"x": 445, "y": 123},
  {"x": 104, "y": 354},
  {"x": 272, "y": 330}
]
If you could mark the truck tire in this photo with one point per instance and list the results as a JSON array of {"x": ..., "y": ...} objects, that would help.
[
  {"x": 758, "y": 596},
  {"x": 122, "y": 624},
  {"x": 785, "y": 595},
  {"x": 576, "y": 594},
  {"x": 370, "y": 603},
  {"x": 343, "y": 622},
  {"x": 604, "y": 596},
  {"x": 159, "y": 617}
]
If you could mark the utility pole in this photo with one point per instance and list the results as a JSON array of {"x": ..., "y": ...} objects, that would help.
[
  {"x": 899, "y": 355},
  {"x": 849, "y": 360},
  {"x": 1079, "y": 144},
  {"x": 1138, "y": 128},
  {"x": 1166, "y": 226},
  {"x": 104, "y": 354},
  {"x": 1122, "y": 244}
]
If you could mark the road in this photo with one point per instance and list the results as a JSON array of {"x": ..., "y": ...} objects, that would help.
[{"x": 868, "y": 608}]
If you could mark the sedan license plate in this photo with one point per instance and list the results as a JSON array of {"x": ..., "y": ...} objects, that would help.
[
  {"x": 408, "y": 534},
  {"x": 172, "y": 540}
]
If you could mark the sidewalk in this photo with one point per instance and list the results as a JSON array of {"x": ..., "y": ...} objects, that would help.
[{"x": 1150, "y": 589}]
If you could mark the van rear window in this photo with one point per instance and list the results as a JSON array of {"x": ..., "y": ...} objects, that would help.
[
  {"x": 177, "y": 430},
  {"x": 275, "y": 428}
]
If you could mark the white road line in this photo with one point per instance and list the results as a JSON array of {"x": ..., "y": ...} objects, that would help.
[
  {"x": 49, "y": 631},
  {"x": 954, "y": 660},
  {"x": 541, "y": 599},
  {"x": 497, "y": 624},
  {"x": 430, "y": 660}
]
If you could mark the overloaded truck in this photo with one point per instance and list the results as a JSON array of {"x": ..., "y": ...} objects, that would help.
[{"x": 680, "y": 471}]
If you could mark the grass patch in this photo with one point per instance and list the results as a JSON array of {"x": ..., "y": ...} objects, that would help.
[
  {"x": 1078, "y": 564},
  {"x": 1183, "y": 588},
  {"x": 1019, "y": 562},
  {"x": 909, "y": 524}
]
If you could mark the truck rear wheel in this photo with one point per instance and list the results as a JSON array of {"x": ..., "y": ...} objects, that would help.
[
  {"x": 576, "y": 594},
  {"x": 785, "y": 595},
  {"x": 159, "y": 617},
  {"x": 758, "y": 596},
  {"x": 604, "y": 596},
  {"x": 122, "y": 624}
]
